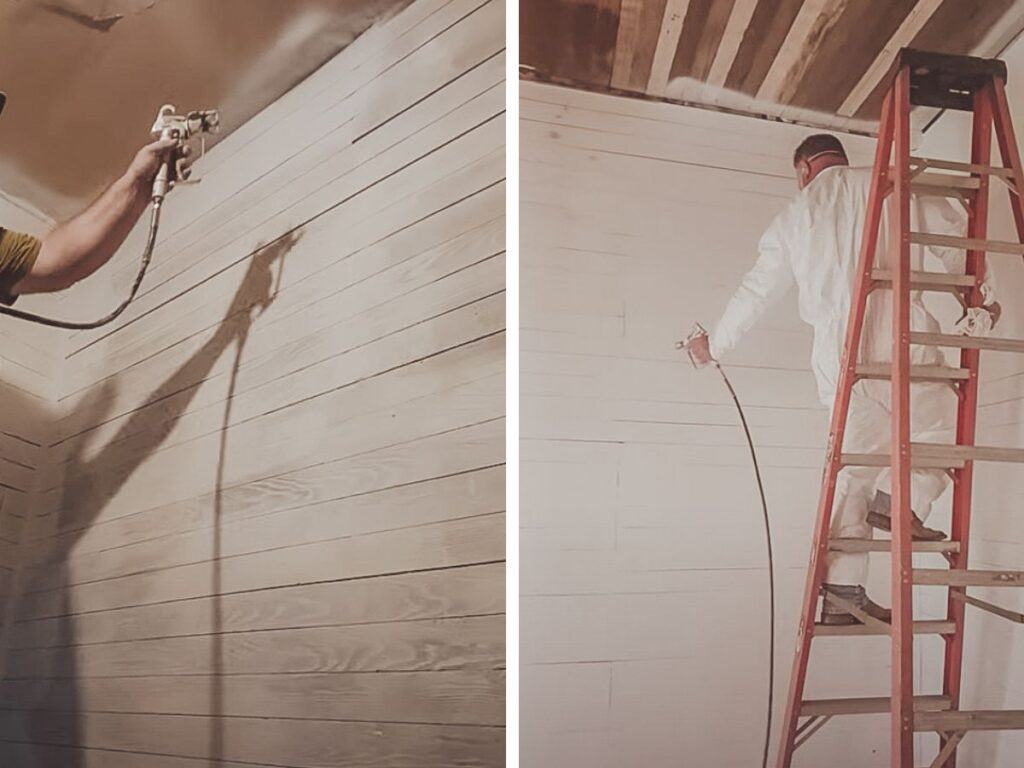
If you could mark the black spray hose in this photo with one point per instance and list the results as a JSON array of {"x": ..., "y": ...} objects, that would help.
[
  {"x": 147, "y": 255},
  {"x": 771, "y": 564}
]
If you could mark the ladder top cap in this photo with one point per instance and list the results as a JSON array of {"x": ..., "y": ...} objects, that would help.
[{"x": 946, "y": 80}]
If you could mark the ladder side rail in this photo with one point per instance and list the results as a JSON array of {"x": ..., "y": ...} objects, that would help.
[
  {"x": 967, "y": 407},
  {"x": 902, "y": 700},
  {"x": 1009, "y": 151},
  {"x": 847, "y": 376}
]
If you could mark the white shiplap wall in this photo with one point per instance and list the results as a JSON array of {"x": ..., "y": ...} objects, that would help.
[
  {"x": 29, "y": 359},
  {"x": 644, "y": 588}
]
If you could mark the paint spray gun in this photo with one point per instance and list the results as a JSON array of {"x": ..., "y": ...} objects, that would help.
[
  {"x": 182, "y": 128},
  {"x": 697, "y": 332},
  {"x": 173, "y": 171}
]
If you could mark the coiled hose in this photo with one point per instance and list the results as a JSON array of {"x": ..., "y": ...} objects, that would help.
[{"x": 147, "y": 256}]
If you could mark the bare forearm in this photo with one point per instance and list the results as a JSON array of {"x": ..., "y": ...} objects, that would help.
[{"x": 78, "y": 248}]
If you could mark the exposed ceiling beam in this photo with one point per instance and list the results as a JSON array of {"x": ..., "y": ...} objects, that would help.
[
  {"x": 739, "y": 20},
  {"x": 626, "y": 42},
  {"x": 668, "y": 42},
  {"x": 907, "y": 31},
  {"x": 793, "y": 54}
]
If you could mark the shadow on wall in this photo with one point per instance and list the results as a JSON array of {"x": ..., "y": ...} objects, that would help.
[
  {"x": 54, "y": 717},
  {"x": 20, "y": 451}
]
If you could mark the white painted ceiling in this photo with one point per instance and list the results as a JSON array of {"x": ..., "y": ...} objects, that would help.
[{"x": 84, "y": 78}]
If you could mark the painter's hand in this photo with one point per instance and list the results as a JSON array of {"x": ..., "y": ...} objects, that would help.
[
  {"x": 699, "y": 349},
  {"x": 148, "y": 160},
  {"x": 995, "y": 310}
]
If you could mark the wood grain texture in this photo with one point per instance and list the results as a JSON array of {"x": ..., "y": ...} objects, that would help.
[
  {"x": 266, "y": 523},
  {"x": 912, "y": 23},
  {"x": 813, "y": 22},
  {"x": 672, "y": 22},
  {"x": 811, "y": 61}
]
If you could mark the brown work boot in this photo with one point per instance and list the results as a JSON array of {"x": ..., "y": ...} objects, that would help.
[
  {"x": 835, "y": 615},
  {"x": 880, "y": 517}
]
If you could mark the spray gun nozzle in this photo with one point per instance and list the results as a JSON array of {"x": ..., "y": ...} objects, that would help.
[{"x": 182, "y": 128}]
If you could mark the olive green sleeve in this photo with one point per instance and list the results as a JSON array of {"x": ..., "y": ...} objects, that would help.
[{"x": 18, "y": 253}]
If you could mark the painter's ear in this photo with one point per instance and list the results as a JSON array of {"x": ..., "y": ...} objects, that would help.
[{"x": 803, "y": 173}]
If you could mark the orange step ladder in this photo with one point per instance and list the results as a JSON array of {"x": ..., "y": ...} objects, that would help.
[{"x": 978, "y": 86}]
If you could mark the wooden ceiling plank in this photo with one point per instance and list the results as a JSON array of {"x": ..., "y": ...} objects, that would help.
[
  {"x": 907, "y": 31},
  {"x": 793, "y": 53},
  {"x": 668, "y": 41},
  {"x": 626, "y": 42},
  {"x": 739, "y": 21}
]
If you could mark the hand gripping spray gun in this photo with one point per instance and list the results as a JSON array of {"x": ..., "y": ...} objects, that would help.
[
  {"x": 168, "y": 125},
  {"x": 698, "y": 332}
]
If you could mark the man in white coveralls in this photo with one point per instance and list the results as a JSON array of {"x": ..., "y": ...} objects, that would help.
[{"x": 814, "y": 243}]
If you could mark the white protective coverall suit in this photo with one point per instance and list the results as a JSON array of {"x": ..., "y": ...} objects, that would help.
[{"x": 814, "y": 243}]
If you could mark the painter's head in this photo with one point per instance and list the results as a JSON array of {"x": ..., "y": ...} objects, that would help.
[{"x": 815, "y": 154}]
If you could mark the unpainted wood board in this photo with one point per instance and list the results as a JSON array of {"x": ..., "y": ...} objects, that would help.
[
  {"x": 298, "y": 282},
  {"x": 855, "y": 39},
  {"x": 381, "y": 340},
  {"x": 444, "y": 593},
  {"x": 298, "y": 743},
  {"x": 320, "y": 187},
  {"x": 458, "y": 145},
  {"x": 327, "y": 130},
  {"x": 701, "y": 37},
  {"x": 20, "y": 450},
  {"x": 446, "y": 453},
  {"x": 283, "y": 141},
  {"x": 672, "y": 23},
  {"x": 768, "y": 28},
  {"x": 956, "y": 27},
  {"x": 46, "y": 756},
  {"x": 470, "y": 541},
  {"x": 438, "y": 644},
  {"x": 430, "y": 501},
  {"x": 813, "y": 22},
  {"x": 427, "y": 289},
  {"x": 570, "y": 40},
  {"x": 307, "y": 433},
  {"x": 626, "y": 39},
  {"x": 735, "y": 28},
  {"x": 437, "y": 230},
  {"x": 373, "y": 51},
  {"x": 912, "y": 23},
  {"x": 456, "y": 697}
]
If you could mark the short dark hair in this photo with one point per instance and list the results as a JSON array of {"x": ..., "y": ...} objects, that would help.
[{"x": 816, "y": 144}]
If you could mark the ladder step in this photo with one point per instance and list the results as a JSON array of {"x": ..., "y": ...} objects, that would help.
[
  {"x": 964, "y": 720},
  {"x": 868, "y": 706},
  {"x": 934, "y": 456},
  {"x": 920, "y": 628},
  {"x": 884, "y": 545},
  {"x": 966, "y": 342},
  {"x": 964, "y": 578},
  {"x": 917, "y": 372},
  {"x": 967, "y": 243},
  {"x": 961, "y": 453},
  {"x": 943, "y": 184},
  {"x": 949, "y": 165},
  {"x": 926, "y": 281}
]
